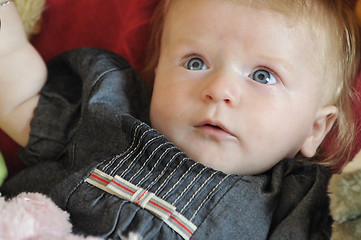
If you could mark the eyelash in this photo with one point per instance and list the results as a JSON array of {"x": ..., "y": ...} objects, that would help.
[
  {"x": 188, "y": 57},
  {"x": 267, "y": 68}
]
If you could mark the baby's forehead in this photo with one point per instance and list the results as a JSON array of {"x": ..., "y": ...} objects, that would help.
[
  {"x": 323, "y": 27},
  {"x": 313, "y": 14},
  {"x": 309, "y": 16}
]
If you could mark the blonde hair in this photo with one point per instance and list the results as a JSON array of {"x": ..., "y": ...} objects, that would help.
[{"x": 335, "y": 19}]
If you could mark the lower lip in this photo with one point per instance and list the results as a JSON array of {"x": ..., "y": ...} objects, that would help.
[{"x": 213, "y": 132}]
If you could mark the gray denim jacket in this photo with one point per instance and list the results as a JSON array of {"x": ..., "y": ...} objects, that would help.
[{"x": 93, "y": 152}]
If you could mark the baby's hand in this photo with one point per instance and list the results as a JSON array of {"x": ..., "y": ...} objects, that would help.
[
  {"x": 354, "y": 165},
  {"x": 12, "y": 35},
  {"x": 22, "y": 75}
]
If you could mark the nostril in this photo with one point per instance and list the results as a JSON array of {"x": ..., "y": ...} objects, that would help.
[{"x": 227, "y": 100}]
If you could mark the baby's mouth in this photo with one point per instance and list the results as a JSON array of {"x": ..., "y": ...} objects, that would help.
[
  {"x": 215, "y": 130},
  {"x": 213, "y": 126}
]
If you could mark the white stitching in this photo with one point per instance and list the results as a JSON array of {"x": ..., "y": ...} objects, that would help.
[
  {"x": 146, "y": 161},
  {"x": 130, "y": 153},
  {"x": 141, "y": 152},
  {"x": 208, "y": 196},
  {"x": 188, "y": 186},
  {"x": 170, "y": 175},
  {"x": 155, "y": 165},
  {"x": 130, "y": 147},
  {"x": 180, "y": 179},
  {"x": 162, "y": 173},
  {"x": 199, "y": 189}
]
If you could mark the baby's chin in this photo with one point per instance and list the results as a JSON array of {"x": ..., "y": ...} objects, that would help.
[
  {"x": 212, "y": 161},
  {"x": 228, "y": 164},
  {"x": 226, "y": 157}
]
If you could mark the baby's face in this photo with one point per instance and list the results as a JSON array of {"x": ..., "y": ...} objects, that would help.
[{"x": 237, "y": 88}]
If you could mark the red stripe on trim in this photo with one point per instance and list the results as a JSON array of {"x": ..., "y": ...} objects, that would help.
[
  {"x": 125, "y": 188},
  {"x": 159, "y": 206},
  {"x": 140, "y": 198},
  {"x": 184, "y": 227},
  {"x": 99, "y": 178}
]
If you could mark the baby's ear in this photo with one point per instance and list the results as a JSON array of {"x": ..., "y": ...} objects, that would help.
[{"x": 322, "y": 124}]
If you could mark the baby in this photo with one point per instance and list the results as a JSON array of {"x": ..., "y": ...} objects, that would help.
[{"x": 239, "y": 88}]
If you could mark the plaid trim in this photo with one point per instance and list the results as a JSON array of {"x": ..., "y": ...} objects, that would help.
[
  {"x": 145, "y": 199},
  {"x": 99, "y": 180},
  {"x": 181, "y": 225}
]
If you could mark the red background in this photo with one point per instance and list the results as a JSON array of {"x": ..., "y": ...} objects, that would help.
[{"x": 117, "y": 25}]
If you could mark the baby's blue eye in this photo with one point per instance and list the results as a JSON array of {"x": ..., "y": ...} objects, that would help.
[
  {"x": 263, "y": 76},
  {"x": 196, "y": 64}
]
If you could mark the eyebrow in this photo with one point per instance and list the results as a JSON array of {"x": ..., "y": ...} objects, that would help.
[
  {"x": 186, "y": 44},
  {"x": 281, "y": 64}
]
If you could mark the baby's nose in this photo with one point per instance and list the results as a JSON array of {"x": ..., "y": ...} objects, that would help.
[{"x": 221, "y": 88}]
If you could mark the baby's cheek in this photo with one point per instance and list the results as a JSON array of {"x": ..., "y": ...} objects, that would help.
[
  {"x": 153, "y": 114},
  {"x": 158, "y": 117}
]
